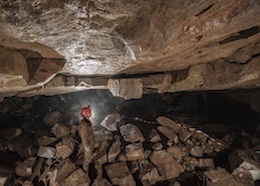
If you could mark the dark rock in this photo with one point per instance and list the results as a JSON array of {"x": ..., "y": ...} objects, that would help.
[
  {"x": 52, "y": 118},
  {"x": 168, "y": 167},
  {"x": 131, "y": 133}
]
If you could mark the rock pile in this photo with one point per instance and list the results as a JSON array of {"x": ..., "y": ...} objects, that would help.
[{"x": 123, "y": 152}]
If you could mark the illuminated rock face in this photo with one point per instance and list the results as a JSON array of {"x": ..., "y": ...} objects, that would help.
[{"x": 49, "y": 39}]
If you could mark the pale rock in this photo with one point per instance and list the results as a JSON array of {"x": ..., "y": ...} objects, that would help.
[
  {"x": 149, "y": 174},
  {"x": 63, "y": 170},
  {"x": 83, "y": 81},
  {"x": 46, "y": 68},
  {"x": 110, "y": 122},
  {"x": 128, "y": 88},
  {"x": 207, "y": 149},
  {"x": 220, "y": 176},
  {"x": 166, "y": 131},
  {"x": 166, "y": 84},
  {"x": 176, "y": 152},
  {"x": 134, "y": 166},
  {"x": 60, "y": 130},
  {"x": 27, "y": 183},
  {"x": 191, "y": 161},
  {"x": 78, "y": 177},
  {"x": 52, "y": 118},
  {"x": 175, "y": 138},
  {"x": 168, "y": 167},
  {"x": 170, "y": 143},
  {"x": 215, "y": 146},
  {"x": 193, "y": 81},
  {"x": 9, "y": 81},
  {"x": 187, "y": 148},
  {"x": 196, "y": 151},
  {"x": 176, "y": 184},
  {"x": 65, "y": 148},
  {"x": 122, "y": 157},
  {"x": 162, "y": 82},
  {"x": 167, "y": 122},
  {"x": 25, "y": 169},
  {"x": 101, "y": 136},
  {"x": 184, "y": 134},
  {"x": 70, "y": 81},
  {"x": 206, "y": 163},
  {"x": 134, "y": 152},
  {"x": 114, "y": 150},
  {"x": 131, "y": 133},
  {"x": 147, "y": 153},
  {"x": 13, "y": 63},
  {"x": 251, "y": 72},
  {"x": 154, "y": 136},
  {"x": 46, "y": 140},
  {"x": 199, "y": 136},
  {"x": 247, "y": 172},
  {"x": 78, "y": 41},
  {"x": 239, "y": 156},
  {"x": 57, "y": 81},
  {"x": 125, "y": 181},
  {"x": 117, "y": 170},
  {"x": 242, "y": 55},
  {"x": 157, "y": 146},
  {"x": 119, "y": 174},
  {"x": 3, "y": 180},
  {"x": 99, "y": 181},
  {"x": 101, "y": 158},
  {"x": 6, "y": 173},
  {"x": 46, "y": 152}
]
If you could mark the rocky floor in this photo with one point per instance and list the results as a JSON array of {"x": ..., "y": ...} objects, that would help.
[{"x": 157, "y": 140}]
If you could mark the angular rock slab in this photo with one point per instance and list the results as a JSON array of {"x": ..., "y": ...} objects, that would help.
[
  {"x": 114, "y": 150},
  {"x": 51, "y": 118},
  {"x": 46, "y": 152},
  {"x": 60, "y": 130},
  {"x": 78, "y": 177},
  {"x": 119, "y": 174},
  {"x": 110, "y": 122},
  {"x": 63, "y": 170},
  {"x": 149, "y": 175},
  {"x": 154, "y": 136},
  {"x": 167, "y": 122},
  {"x": 130, "y": 88},
  {"x": 131, "y": 133},
  {"x": 134, "y": 152},
  {"x": 168, "y": 167},
  {"x": 25, "y": 168},
  {"x": 220, "y": 176},
  {"x": 65, "y": 148},
  {"x": 101, "y": 181}
]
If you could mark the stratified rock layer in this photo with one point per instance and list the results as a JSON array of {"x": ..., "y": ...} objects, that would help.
[{"x": 45, "y": 44}]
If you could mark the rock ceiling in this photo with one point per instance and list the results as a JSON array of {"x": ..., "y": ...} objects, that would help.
[{"x": 58, "y": 46}]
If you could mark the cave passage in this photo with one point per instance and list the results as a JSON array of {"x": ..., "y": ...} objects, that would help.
[{"x": 229, "y": 121}]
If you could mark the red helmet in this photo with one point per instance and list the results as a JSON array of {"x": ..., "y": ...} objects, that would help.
[{"x": 86, "y": 112}]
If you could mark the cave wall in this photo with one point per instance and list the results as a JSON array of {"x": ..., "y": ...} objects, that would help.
[{"x": 53, "y": 47}]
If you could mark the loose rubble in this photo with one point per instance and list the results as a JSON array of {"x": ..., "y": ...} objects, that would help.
[{"x": 125, "y": 153}]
